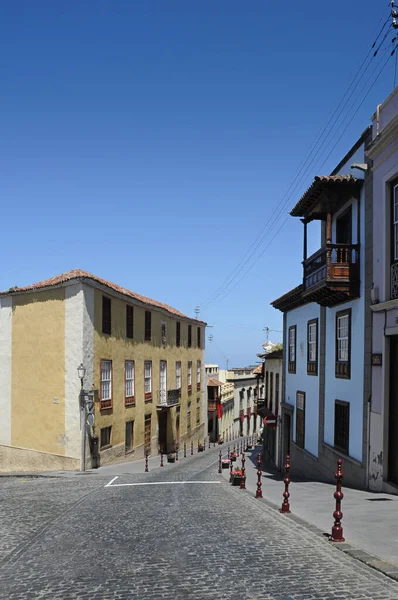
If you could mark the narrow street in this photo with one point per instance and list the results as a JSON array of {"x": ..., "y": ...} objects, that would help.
[{"x": 187, "y": 535}]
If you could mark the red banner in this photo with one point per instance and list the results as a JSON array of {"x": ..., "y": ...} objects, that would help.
[{"x": 219, "y": 410}]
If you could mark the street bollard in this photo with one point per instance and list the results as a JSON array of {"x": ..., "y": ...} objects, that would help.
[
  {"x": 146, "y": 461},
  {"x": 337, "y": 529},
  {"x": 234, "y": 448},
  {"x": 259, "y": 493},
  {"x": 285, "y": 504},
  {"x": 214, "y": 444},
  {"x": 191, "y": 448},
  {"x": 161, "y": 459},
  {"x": 198, "y": 445},
  {"x": 219, "y": 462},
  {"x": 243, "y": 480},
  {"x": 185, "y": 450}
]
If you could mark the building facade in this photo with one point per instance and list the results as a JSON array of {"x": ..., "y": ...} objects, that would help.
[
  {"x": 143, "y": 359},
  {"x": 383, "y": 405},
  {"x": 327, "y": 334},
  {"x": 270, "y": 410},
  {"x": 245, "y": 392}
]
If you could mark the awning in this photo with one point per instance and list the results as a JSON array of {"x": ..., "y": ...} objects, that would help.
[{"x": 214, "y": 383}]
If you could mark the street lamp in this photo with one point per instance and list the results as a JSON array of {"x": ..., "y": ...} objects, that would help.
[{"x": 81, "y": 371}]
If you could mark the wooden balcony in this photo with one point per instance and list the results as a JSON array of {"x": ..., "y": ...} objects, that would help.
[
  {"x": 168, "y": 398},
  {"x": 331, "y": 275}
]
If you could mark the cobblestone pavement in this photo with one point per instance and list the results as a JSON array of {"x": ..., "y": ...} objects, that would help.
[{"x": 76, "y": 539}]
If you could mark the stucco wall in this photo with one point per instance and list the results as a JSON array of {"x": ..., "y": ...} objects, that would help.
[
  {"x": 118, "y": 348},
  {"x": 38, "y": 382},
  {"x": 5, "y": 369},
  {"x": 24, "y": 460},
  {"x": 301, "y": 381}
]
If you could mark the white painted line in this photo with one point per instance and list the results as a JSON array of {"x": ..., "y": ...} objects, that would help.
[
  {"x": 157, "y": 483},
  {"x": 111, "y": 481}
]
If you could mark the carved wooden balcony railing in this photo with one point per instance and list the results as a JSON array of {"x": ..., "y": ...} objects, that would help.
[{"x": 331, "y": 275}]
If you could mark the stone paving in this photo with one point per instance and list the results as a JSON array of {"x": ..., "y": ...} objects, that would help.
[{"x": 76, "y": 539}]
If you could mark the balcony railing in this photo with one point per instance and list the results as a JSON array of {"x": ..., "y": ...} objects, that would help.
[
  {"x": 333, "y": 268},
  {"x": 394, "y": 281},
  {"x": 169, "y": 397}
]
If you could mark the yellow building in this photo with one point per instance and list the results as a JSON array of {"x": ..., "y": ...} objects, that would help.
[
  {"x": 227, "y": 419},
  {"x": 144, "y": 359}
]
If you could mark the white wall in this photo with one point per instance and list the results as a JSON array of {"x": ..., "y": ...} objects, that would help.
[{"x": 300, "y": 381}]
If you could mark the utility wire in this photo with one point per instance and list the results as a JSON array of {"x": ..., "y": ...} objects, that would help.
[{"x": 280, "y": 208}]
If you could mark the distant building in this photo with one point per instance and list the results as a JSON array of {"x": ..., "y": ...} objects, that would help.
[
  {"x": 246, "y": 421},
  {"x": 143, "y": 358},
  {"x": 270, "y": 404}
]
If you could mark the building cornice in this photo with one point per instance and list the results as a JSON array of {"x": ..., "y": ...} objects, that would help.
[
  {"x": 384, "y": 139},
  {"x": 387, "y": 305}
]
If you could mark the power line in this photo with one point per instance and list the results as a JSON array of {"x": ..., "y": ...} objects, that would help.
[
  {"x": 279, "y": 209},
  {"x": 221, "y": 291}
]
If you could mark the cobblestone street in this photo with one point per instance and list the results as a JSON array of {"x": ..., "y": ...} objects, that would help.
[{"x": 72, "y": 538}]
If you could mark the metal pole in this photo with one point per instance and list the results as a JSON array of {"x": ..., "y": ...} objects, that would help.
[{"x": 83, "y": 428}]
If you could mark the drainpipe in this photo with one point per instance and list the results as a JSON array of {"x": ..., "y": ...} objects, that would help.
[
  {"x": 378, "y": 119},
  {"x": 368, "y": 434}
]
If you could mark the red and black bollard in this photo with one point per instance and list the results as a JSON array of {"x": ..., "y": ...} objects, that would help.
[
  {"x": 185, "y": 450},
  {"x": 243, "y": 480},
  {"x": 146, "y": 461},
  {"x": 219, "y": 462},
  {"x": 337, "y": 529},
  {"x": 161, "y": 459},
  {"x": 285, "y": 504},
  {"x": 191, "y": 448},
  {"x": 259, "y": 493}
]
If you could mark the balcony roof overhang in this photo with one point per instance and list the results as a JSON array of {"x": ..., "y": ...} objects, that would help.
[
  {"x": 290, "y": 300},
  {"x": 326, "y": 194}
]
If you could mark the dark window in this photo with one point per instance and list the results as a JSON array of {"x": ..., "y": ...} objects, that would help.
[
  {"x": 198, "y": 337},
  {"x": 189, "y": 336},
  {"x": 129, "y": 321},
  {"x": 342, "y": 426},
  {"x": 148, "y": 325},
  {"x": 178, "y": 334},
  {"x": 129, "y": 435},
  {"x": 106, "y": 315},
  {"x": 312, "y": 347},
  {"x": 344, "y": 228},
  {"x": 343, "y": 344},
  {"x": 292, "y": 349},
  {"x": 189, "y": 419},
  {"x": 300, "y": 419},
  {"x": 197, "y": 415},
  {"x": 163, "y": 334},
  {"x": 106, "y": 436}
]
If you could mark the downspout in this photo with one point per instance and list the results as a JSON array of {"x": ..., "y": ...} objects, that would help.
[
  {"x": 378, "y": 119},
  {"x": 368, "y": 434}
]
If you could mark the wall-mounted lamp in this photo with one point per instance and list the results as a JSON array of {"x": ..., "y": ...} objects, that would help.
[{"x": 374, "y": 294}]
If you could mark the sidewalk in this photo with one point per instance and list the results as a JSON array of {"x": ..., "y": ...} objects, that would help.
[{"x": 370, "y": 520}]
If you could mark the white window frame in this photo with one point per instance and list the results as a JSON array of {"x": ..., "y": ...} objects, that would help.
[
  {"x": 148, "y": 377},
  {"x": 292, "y": 344},
  {"x": 343, "y": 332},
  {"x": 189, "y": 372},
  {"x": 106, "y": 380},
  {"x": 129, "y": 373},
  {"x": 312, "y": 327},
  {"x": 198, "y": 370},
  {"x": 178, "y": 375},
  {"x": 163, "y": 381}
]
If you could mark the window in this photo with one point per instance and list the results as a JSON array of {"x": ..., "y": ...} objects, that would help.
[
  {"x": 178, "y": 375},
  {"x": 106, "y": 383},
  {"x": 129, "y": 436},
  {"x": 343, "y": 344},
  {"x": 129, "y": 382},
  {"x": 163, "y": 382},
  {"x": 189, "y": 419},
  {"x": 163, "y": 335},
  {"x": 189, "y": 336},
  {"x": 178, "y": 334},
  {"x": 276, "y": 393},
  {"x": 198, "y": 415},
  {"x": 148, "y": 325},
  {"x": 342, "y": 426},
  {"x": 148, "y": 380},
  {"x": 198, "y": 369},
  {"x": 129, "y": 321},
  {"x": 300, "y": 419},
  {"x": 292, "y": 349},
  {"x": 312, "y": 347},
  {"x": 198, "y": 333},
  {"x": 271, "y": 390},
  {"x": 106, "y": 433},
  {"x": 189, "y": 376},
  {"x": 106, "y": 315},
  {"x": 147, "y": 434}
]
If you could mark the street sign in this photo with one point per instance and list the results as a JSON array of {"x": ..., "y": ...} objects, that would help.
[
  {"x": 270, "y": 421},
  {"x": 90, "y": 419}
]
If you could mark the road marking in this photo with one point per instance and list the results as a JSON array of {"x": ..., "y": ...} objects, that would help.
[{"x": 111, "y": 484}]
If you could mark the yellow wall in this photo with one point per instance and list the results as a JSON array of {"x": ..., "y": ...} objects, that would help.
[
  {"x": 118, "y": 348},
  {"x": 38, "y": 376}
]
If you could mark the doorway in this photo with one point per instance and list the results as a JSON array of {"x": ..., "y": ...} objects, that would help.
[
  {"x": 344, "y": 228},
  {"x": 162, "y": 421},
  {"x": 393, "y": 413}
]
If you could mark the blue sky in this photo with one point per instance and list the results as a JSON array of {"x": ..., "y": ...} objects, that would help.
[{"x": 150, "y": 141}]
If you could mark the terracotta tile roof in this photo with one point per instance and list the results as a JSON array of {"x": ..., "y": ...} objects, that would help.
[
  {"x": 319, "y": 185},
  {"x": 78, "y": 274},
  {"x": 214, "y": 383},
  {"x": 258, "y": 370}
]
